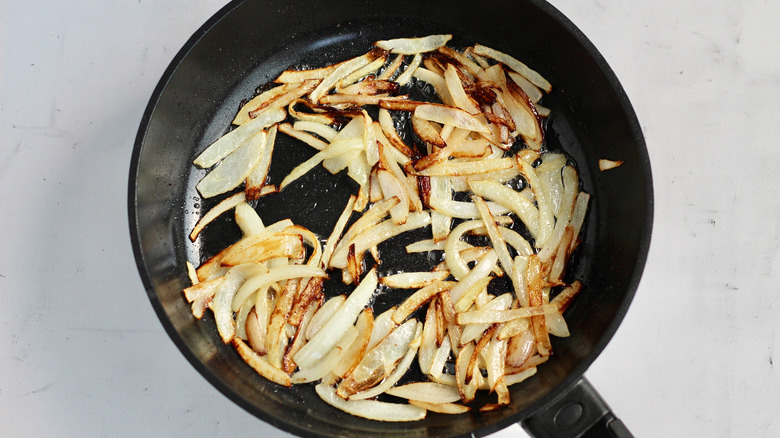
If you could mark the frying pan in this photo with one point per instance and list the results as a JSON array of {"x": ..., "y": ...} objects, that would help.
[{"x": 248, "y": 43}]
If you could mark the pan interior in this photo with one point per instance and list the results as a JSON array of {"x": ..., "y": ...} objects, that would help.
[{"x": 243, "y": 47}]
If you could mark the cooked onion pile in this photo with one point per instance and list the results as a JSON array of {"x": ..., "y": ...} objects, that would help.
[{"x": 475, "y": 172}]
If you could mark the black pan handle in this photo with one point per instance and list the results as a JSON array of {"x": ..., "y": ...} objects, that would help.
[{"x": 579, "y": 413}]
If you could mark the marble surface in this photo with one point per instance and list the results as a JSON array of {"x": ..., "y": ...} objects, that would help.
[{"x": 84, "y": 355}]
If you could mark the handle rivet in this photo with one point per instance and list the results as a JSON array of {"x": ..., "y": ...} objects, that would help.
[{"x": 568, "y": 414}]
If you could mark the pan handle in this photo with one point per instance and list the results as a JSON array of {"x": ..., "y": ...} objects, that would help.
[{"x": 579, "y": 412}]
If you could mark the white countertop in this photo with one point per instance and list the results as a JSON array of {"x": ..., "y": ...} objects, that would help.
[{"x": 693, "y": 357}]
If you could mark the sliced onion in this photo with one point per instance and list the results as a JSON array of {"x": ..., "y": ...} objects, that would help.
[
  {"x": 411, "y": 46},
  {"x": 429, "y": 392},
  {"x": 235, "y": 138},
  {"x": 534, "y": 77},
  {"x": 399, "y": 371},
  {"x": 371, "y": 409},
  {"x": 447, "y": 115},
  {"x": 339, "y": 322}
]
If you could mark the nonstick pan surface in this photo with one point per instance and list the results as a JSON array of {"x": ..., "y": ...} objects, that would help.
[{"x": 247, "y": 44}]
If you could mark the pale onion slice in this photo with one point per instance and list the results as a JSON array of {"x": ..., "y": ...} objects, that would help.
[
  {"x": 334, "y": 149},
  {"x": 546, "y": 217},
  {"x": 519, "y": 106},
  {"x": 369, "y": 69},
  {"x": 419, "y": 298},
  {"x": 550, "y": 247},
  {"x": 413, "y": 280},
  {"x": 390, "y": 70},
  {"x": 234, "y": 168},
  {"x": 473, "y": 332},
  {"x": 556, "y": 324},
  {"x": 380, "y": 361},
  {"x": 428, "y": 339},
  {"x": 235, "y": 138},
  {"x": 430, "y": 392},
  {"x": 311, "y": 239},
  {"x": 472, "y": 148},
  {"x": 192, "y": 274},
  {"x": 368, "y": 220},
  {"x": 277, "y": 102},
  {"x": 369, "y": 140},
  {"x": 440, "y": 358},
  {"x": 550, "y": 173},
  {"x": 321, "y": 129},
  {"x": 441, "y": 408},
  {"x": 462, "y": 167},
  {"x": 511, "y": 199},
  {"x": 340, "y": 321},
  {"x": 358, "y": 169},
  {"x": 411, "y": 46},
  {"x": 499, "y": 244},
  {"x": 299, "y": 338},
  {"x": 561, "y": 258},
  {"x": 459, "y": 96},
  {"x": 263, "y": 247},
  {"x": 357, "y": 349},
  {"x": 378, "y": 234},
  {"x": 399, "y": 371},
  {"x": 462, "y": 372},
  {"x": 471, "y": 67},
  {"x": 303, "y": 136},
  {"x": 327, "y": 363},
  {"x": 339, "y": 73},
  {"x": 292, "y": 76},
  {"x": 406, "y": 76},
  {"x": 371, "y": 409},
  {"x": 516, "y": 241},
  {"x": 223, "y": 297},
  {"x": 392, "y": 187},
  {"x": 532, "y": 76},
  {"x": 383, "y": 325},
  {"x": 462, "y": 210},
  {"x": 338, "y": 229},
  {"x": 324, "y": 314},
  {"x": 511, "y": 379},
  {"x": 368, "y": 86},
  {"x": 461, "y": 183},
  {"x": 499, "y": 316},
  {"x": 277, "y": 337},
  {"x": 437, "y": 82},
  {"x": 578, "y": 217},
  {"x": 200, "y": 294},
  {"x": 274, "y": 275},
  {"x": 387, "y": 160},
  {"x": 457, "y": 266},
  {"x": 427, "y": 132},
  {"x": 248, "y": 220},
  {"x": 483, "y": 268},
  {"x": 519, "y": 348},
  {"x": 390, "y": 134},
  {"x": 472, "y": 292},
  {"x": 261, "y": 365},
  {"x": 262, "y": 99},
  {"x": 223, "y": 206},
  {"x": 441, "y": 188},
  {"x": 532, "y": 91},
  {"x": 447, "y": 115},
  {"x": 495, "y": 359}
]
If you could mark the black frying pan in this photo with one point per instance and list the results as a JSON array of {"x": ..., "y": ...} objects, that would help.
[{"x": 247, "y": 44}]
